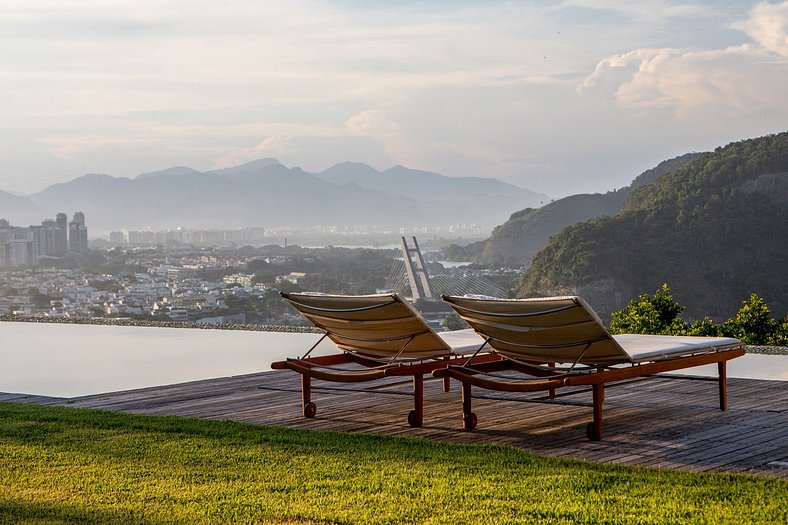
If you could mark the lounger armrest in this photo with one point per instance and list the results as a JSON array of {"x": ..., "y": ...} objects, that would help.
[
  {"x": 325, "y": 360},
  {"x": 656, "y": 367},
  {"x": 337, "y": 377},
  {"x": 476, "y": 378}
]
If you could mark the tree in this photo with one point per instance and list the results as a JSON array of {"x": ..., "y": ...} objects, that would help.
[
  {"x": 649, "y": 314},
  {"x": 704, "y": 328},
  {"x": 753, "y": 323},
  {"x": 780, "y": 337}
]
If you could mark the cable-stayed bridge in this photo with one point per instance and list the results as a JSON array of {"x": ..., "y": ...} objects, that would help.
[{"x": 411, "y": 276}]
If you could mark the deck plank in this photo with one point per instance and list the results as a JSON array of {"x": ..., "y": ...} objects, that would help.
[{"x": 663, "y": 422}]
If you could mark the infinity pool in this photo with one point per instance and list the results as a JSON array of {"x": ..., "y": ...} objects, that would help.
[
  {"x": 68, "y": 360},
  {"x": 72, "y": 360}
]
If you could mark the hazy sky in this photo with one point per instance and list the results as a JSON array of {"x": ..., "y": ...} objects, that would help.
[{"x": 557, "y": 96}]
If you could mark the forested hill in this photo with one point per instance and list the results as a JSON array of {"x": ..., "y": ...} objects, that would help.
[
  {"x": 516, "y": 241},
  {"x": 714, "y": 230}
]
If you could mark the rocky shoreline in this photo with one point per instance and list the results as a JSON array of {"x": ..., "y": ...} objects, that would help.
[
  {"x": 162, "y": 324},
  {"x": 752, "y": 349},
  {"x": 767, "y": 350}
]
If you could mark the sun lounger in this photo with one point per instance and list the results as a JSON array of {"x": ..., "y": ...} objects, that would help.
[
  {"x": 532, "y": 335},
  {"x": 380, "y": 336}
]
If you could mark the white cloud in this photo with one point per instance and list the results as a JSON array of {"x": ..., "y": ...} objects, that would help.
[
  {"x": 720, "y": 83},
  {"x": 768, "y": 26}
]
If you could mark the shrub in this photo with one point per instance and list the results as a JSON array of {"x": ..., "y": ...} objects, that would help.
[
  {"x": 705, "y": 328},
  {"x": 649, "y": 314},
  {"x": 658, "y": 314},
  {"x": 753, "y": 323}
]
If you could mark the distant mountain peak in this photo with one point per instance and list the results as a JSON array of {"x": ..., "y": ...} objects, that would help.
[
  {"x": 350, "y": 163},
  {"x": 92, "y": 179},
  {"x": 176, "y": 171},
  {"x": 259, "y": 163}
]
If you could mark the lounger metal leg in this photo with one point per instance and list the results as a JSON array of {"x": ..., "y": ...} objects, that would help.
[
  {"x": 723, "y": 382},
  {"x": 416, "y": 416},
  {"x": 594, "y": 430},
  {"x": 469, "y": 420},
  {"x": 309, "y": 409}
]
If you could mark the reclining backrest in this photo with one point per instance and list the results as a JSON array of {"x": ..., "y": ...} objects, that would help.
[
  {"x": 550, "y": 329},
  {"x": 373, "y": 325}
]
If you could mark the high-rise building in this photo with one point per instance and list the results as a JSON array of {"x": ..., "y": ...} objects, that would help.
[
  {"x": 61, "y": 235},
  {"x": 18, "y": 247},
  {"x": 78, "y": 234},
  {"x": 51, "y": 237},
  {"x": 117, "y": 238},
  {"x": 45, "y": 237}
]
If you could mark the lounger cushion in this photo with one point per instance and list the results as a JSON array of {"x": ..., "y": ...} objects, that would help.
[
  {"x": 643, "y": 348},
  {"x": 462, "y": 342}
]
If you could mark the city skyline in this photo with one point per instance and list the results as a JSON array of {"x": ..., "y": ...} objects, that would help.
[
  {"x": 26, "y": 246},
  {"x": 559, "y": 97}
]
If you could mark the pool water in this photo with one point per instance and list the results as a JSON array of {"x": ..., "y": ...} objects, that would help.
[{"x": 66, "y": 360}]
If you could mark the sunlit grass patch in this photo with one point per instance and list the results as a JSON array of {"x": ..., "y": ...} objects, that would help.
[{"x": 70, "y": 465}]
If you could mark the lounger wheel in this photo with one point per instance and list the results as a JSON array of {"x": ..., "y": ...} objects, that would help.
[
  {"x": 310, "y": 409},
  {"x": 470, "y": 421},
  {"x": 413, "y": 419},
  {"x": 591, "y": 432}
]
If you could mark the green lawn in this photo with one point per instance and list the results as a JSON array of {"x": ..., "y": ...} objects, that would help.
[{"x": 62, "y": 465}]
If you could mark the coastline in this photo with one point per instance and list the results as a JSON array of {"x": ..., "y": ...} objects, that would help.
[
  {"x": 162, "y": 324},
  {"x": 752, "y": 349}
]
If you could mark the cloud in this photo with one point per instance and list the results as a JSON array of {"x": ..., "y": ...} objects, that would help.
[
  {"x": 641, "y": 10},
  {"x": 381, "y": 128},
  {"x": 726, "y": 83},
  {"x": 768, "y": 26},
  {"x": 274, "y": 146}
]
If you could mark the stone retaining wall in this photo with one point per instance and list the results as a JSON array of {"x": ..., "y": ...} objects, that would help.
[{"x": 161, "y": 324}]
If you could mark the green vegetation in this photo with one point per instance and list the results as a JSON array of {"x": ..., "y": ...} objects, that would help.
[
  {"x": 60, "y": 465},
  {"x": 659, "y": 314},
  {"x": 516, "y": 241},
  {"x": 714, "y": 228}
]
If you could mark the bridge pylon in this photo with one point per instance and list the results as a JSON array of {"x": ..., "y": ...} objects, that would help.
[{"x": 419, "y": 279}]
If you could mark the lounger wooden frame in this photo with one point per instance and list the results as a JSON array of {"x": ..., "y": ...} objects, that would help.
[
  {"x": 358, "y": 350},
  {"x": 544, "y": 377}
]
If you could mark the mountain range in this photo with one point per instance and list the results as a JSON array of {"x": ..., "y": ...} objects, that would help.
[{"x": 268, "y": 194}]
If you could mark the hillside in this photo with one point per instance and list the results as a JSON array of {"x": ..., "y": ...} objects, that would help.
[
  {"x": 714, "y": 230},
  {"x": 19, "y": 209},
  {"x": 268, "y": 194},
  {"x": 516, "y": 241}
]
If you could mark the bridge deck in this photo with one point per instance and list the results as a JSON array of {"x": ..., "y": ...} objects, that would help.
[{"x": 662, "y": 422}]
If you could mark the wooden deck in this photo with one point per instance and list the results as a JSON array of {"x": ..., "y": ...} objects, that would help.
[{"x": 661, "y": 421}]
